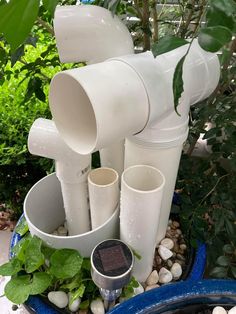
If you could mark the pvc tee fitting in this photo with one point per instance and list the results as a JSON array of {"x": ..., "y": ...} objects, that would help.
[{"x": 109, "y": 101}]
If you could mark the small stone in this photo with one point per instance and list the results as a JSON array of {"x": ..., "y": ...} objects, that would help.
[
  {"x": 168, "y": 228},
  {"x": 175, "y": 224},
  {"x": 176, "y": 247},
  {"x": 97, "y": 307},
  {"x": 219, "y": 310},
  {"x": 180, "y": 257},
  {"x": 152, "y": 278},
  {"x": 168, "y": 243},
  {"x": 59, "y": 298},
  {"x": 139, "y": 289},
  {"x": 183, "y": 247},
  {"x": 180, "y": 262},
  {"x": 55, "y": 233},
  {"x": 151, "y": 287},
  {"x": 232, "y": 310},
  {"x": 165, "y": 275},
  {"x": 176, "y": 270},
  {"x": 74, "y": 306},
  {"x": 164, "y": 252},
  {"x": 178, "y": 231},
  {"x": 62, "y": 231},
  {"x": 169, "y": 222},
  {"x": 83, "y": 311},
  {"x": 169, "y": 263}
]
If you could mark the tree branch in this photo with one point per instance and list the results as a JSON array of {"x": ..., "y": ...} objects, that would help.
[{"x": 45, "y": 25}]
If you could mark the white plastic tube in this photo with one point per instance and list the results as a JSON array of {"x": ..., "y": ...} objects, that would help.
[
  {"x": 113, "y": 156},
  {"x": 141, "y": 195},
  {"x": 44, "y": 212},
  {"x": 109, "y": 101},
  {"x": 71, "y": 169},
  {"x": 104, "y": 102},
  {"x": 104, "y": 194},
  {"x": 90, "y": 33}
]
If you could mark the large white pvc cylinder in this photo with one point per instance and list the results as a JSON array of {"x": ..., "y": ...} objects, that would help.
[
  {"x": 104, "y": 102},
  {"x": 44, "y": 212},
  {"x": 113, "y": 156},
  {"x": 90, "y": 33},
  {"x": 104, "y": 194},
  {"x": 71, "y": 169},
  {"x": 166, "y": 159},
  {"x": 141, "y": 195}
]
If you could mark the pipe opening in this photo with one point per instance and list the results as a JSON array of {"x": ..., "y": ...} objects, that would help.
[
  {"x": 73, "y": 113},
  {"x": 103, "y": 176},
  {"x": 143, "y": 178}
]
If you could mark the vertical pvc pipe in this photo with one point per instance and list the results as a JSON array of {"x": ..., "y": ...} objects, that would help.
[
  {"x": 103, "y": 184},
  {"x": 113, "y": 156},
  {"x": 141, "y": 195}
]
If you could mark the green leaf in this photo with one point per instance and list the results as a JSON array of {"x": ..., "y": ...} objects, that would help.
[
  {"x": 16, "y": 20},
  {"x": 214, "y": 38},
  {"x": 216, "y": 17},
  {"x": 41, "y": 281},
  {"x": 223, "y": 261},
  {"x": 33, "y": 255},
  {"x": 166, "y": 44},
  {"x": 22, "y": 227},
  {"x": 227, "y": 6},
  {"x": 84, "y": 305},
  {"x": 11, "y": 268},
  {"x": 65, "y": 263},
  {"x": 77, "y": 293},
  {"x": 228, "y": 249},
  {"x": 50, "y": 5},
  {"x": 17, "y": 290},
  {"x": 178, "y": 84},
  {"x": 219, "y": 272},
  {"x": 133, "y": 282},
  {"x": 20, "y": 248}
]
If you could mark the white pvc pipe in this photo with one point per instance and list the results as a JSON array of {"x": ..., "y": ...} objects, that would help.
[
  {"x": 113, "y": 156},
  {"x": 103, "y": 184},
  {"x": 90, "y": 33},
  {"x": 104, "y": 102},
  {"x": 141, "y": 195},
  {"x": 71, "y": 169},
  {"x": 44, "y": 212},
  {"x": 109, "y": 101}
]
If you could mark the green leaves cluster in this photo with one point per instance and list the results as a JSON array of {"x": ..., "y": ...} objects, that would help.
[{"x": 36, "y": 269}]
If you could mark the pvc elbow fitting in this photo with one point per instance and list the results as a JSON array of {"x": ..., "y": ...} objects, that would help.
[{"x": 90, "y": 33}]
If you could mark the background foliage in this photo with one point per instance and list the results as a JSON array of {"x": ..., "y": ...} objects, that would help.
[{"x": 28, "y": 60}]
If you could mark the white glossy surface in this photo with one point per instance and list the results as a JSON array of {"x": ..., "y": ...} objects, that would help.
[
  {"x": 104, "y": 194},
  {"x": 90, "y": 33},
  {"x": 141, "y": 196},
  {"x": 44, "y": 212},
  {"x": 71, "y": 169}
]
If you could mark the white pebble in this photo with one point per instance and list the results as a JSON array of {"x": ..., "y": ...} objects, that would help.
[
  {"x": 153, "y": 278},
  {"x": 168, "y": 243},
  {"x": 97, "y": 307},
  {"x": 62, "y": 231},
  {"x": 164, "y": 252},
  {"x": 151, "y": 287},
  {"x": 139, "y": 289},
  {"x": 183, "y": 247},
  {"x": 59, "y": 298},
  {"x": 74, "y": 306},
  {"x": 165, "y": 275},
  {"x": 232, "y": 310},
  {"x": 176, "y": 270},
  {"x": 219, "y": 310}
]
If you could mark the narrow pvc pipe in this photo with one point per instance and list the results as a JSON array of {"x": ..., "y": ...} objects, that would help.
[
  {"x": 71, "y": 169},
  {"x": 141, "y": 195},
  {"x": 103, "y": 184},
  {"x": 90, "y": 33},
  {"x": 113, "y": 156}
]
